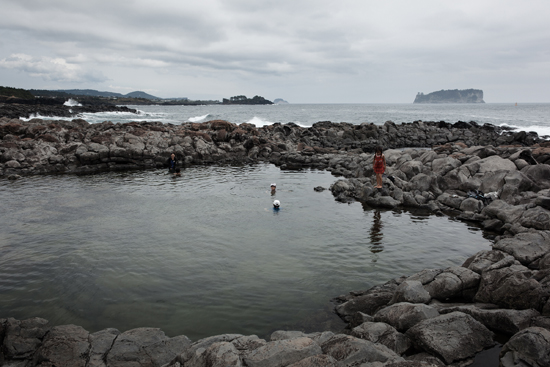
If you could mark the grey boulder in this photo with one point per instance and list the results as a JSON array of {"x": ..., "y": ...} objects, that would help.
[
  {"x": 282, "y": 352},
  {"x": 404, "y": 315},
  {"x": 529, "y": 347},
  {"x": 451, "y": 337},
  {"x": 379, "y": 332}
]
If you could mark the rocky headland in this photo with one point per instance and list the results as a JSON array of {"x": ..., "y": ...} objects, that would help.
[{"x": 497, "y": 178}]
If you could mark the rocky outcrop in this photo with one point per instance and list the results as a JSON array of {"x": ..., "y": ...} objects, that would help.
[
  {"x": 37, "y": 146},
  {"x": 440, "y": 316},
  {"x": 17, "y": 108}
]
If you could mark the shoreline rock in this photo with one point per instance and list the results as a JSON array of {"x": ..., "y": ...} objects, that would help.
[{"x": 499, "y": 179}]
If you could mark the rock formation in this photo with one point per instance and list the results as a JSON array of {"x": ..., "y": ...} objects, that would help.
[
  {"x": 497, "y": 178},
  {"x": 451, "y": 96}
]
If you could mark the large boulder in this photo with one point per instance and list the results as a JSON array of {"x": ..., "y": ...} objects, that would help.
[
  {"x": 411, "y": 291},
  {"x": 441, "y": 166},
  {"x": 368, "y": 302},
  {"x": 321, "y": 360},
  {"x": 529, "y": 347},
  {"x": 282, "y": 352},
  {"x": 100, "y": 343},
  {"x": 539, "y": 173},
  {"x": 64, "y": 346},
  {"x": 495, "y": 163},
  {"x": 487, "y": 259},
  {"x": 22, "y": 338},
  {"x": 454, "y": 282},
  {"x": 502, "y": 210},
  {"x": 195, "y": 354},
  {"x": 379, "y": 332},
  {"x": 139, "y": 346},
  {"x": 510, "y": 287},
  {"x": 503, "y": 321},
  {"x": 451, "y": 337},
  {"x": 404, "y": 315},
  {"x": 537, "y": 217},
  {"x": 526, "y": 247},
  {"x": 352, "y": 351}
]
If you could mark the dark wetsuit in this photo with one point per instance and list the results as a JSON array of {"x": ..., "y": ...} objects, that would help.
[{"x": 172, "y": 163}]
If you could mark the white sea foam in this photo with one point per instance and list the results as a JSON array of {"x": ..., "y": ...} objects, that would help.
[
  {"x": 198, "y": 118},
  {"x": 541, "y": 130},
  {"x": 71, "y": 103}
]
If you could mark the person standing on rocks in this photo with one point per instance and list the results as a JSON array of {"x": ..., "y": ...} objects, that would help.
[
  {"x": 172, "y": 163},
  {"x": 379, "y": 166}
]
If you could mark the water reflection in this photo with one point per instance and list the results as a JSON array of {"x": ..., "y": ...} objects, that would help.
[{"x": 376, "y": 235}]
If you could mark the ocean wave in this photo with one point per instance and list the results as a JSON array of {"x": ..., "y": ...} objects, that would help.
[
  {"x": 198, "y": 118},
  {"x": 71, "y": 103},
  {"x": 540, "y": 130}
]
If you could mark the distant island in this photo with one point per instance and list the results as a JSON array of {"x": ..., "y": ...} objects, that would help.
[
  {"x": 243, "y": 100},
  {"x": 451, "y": 96},
  {"x": 279, "y": 101}
]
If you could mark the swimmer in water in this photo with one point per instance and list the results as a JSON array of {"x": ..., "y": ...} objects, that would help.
[
  {"x": 273, "y": 188},
  {"x": 276, "y": 205}
]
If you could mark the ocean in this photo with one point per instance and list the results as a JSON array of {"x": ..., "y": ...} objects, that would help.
[{"x": 528, "y": 117}]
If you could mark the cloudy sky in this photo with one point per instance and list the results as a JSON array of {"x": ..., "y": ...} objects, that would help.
[{"x": 304, "y": 51}]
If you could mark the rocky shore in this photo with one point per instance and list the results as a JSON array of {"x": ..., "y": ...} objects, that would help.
[{"x": 497, "y": 178}]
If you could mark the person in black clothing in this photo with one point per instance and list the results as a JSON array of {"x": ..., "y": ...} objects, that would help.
[{"x": 172, "y": 163}]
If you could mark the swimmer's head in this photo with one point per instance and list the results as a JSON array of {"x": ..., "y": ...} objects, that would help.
[
  {"x": 273, "y": 186},
  {"x": 276, "y": 203}
]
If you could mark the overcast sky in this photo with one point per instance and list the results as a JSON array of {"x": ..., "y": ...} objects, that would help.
[{"x": 318, "y": 51}]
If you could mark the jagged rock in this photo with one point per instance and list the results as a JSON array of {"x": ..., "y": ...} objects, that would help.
[
  {"x": 510, "y": 287},
  {"x": 426, "y": 358},
  {"x": 100, "y": 344},
  {"x": 486, "y": 259},
  {"x": 195, "y": 354},
  {"x": 140, "y": 347},
  {"x": 64, "y": 346},
  {"x": 539, "y": 173},
  {"x": 500, "y": 320},
  {"x": 352, "y": 351},
  {"x": 282, "y": 352},
  {"x": 536, "y": 217},
  {"x": 505, "y": 212},
  {"x": 455, "y": 282},
  {"x": 441, "y": 166},
  {"x": 379, "y": 332},
  {"x": 451, "y": 337},
  {"x": 529, "y": 347},
  {"x": 369, "y": 302},
  {"x": 526, "y": 247},
  {"x": 22, "y": 338},
  {"x": 411, "y": 291},
  {"x": 404, "y": 315},
  {"x": 222, "y": 354},
  {"x": 358, "y": 318}
]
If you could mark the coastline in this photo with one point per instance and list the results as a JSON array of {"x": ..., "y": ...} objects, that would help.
[{"x": 461, "y": 157}]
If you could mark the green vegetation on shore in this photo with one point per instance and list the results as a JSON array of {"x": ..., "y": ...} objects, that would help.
[{"x": 16, "y": 92}]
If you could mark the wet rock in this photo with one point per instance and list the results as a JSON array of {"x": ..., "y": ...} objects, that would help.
[
  {"x": 411, "y": 291},
  {"x": 510, "y": 287},
  {"x": 100, "y": 344},
  {"x": 503, "y": 211},
  {"x": 538, "y": 218},
  {"x": 22, "y": 338},
  {"x": 404, "y": 315},
  {"x": 451, "y": 337},
  {"x": 368, "y": 302},
  {"x": 195, "y": 354},
  {"x": 222, "y": 354},
  {"x": 282, "y": 352},
  {"x": 379, "y": 332},
  {"x": 503, "y": 321},
  {"x": 529, "y": 347},
  {"x": 487, "y": 258},
  {"x": 526, "y": 247},
  {"x": 352, "y": 351},
  {"x": 539, "y": 173},
  {"x": 135, "y": 347},
  {"x": 455, "y": 282},
  {"x": 64, "y": 346}
]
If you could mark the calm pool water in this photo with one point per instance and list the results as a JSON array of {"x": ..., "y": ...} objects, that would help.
[{"x": 204, "y": 254}]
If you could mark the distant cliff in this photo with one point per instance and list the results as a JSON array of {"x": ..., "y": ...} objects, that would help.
[{"x": 451, "y": 96}]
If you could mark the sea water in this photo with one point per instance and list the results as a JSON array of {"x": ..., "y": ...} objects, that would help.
[
  {"x": 528, "y": 117},
  {"x": 205, "y": 254}
]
